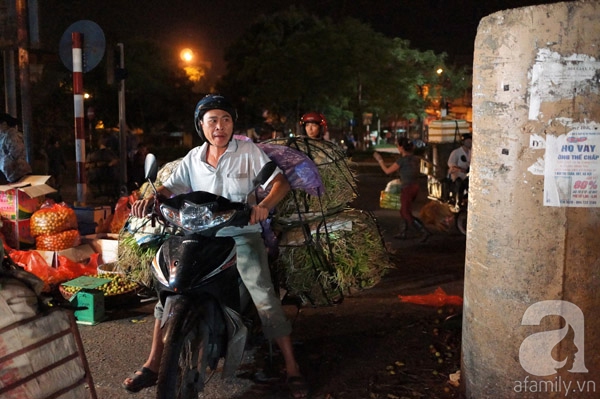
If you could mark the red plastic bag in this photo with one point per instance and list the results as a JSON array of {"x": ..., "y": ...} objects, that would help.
[
  {"x": 68, "y": 269},
  {"x": 122, "y": 212},
  {"x": 35, "y": 263},
  {"x": 437, "y": 298}
]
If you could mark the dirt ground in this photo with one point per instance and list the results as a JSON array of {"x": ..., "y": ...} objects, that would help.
[
  {"x": 375, "y": 346},
  {"x": 371, "y": 346}
]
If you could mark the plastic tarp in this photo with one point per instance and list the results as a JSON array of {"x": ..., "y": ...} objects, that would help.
[
  {"x": 437, "y": 298},
  {"x": 24, "y": 330},
  {"x": 301, "y": 172}
]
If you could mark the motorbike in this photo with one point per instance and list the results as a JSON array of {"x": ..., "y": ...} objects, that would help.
[
  {"x": 441, "y": 190},
  {"x": 198, "y": 284}
]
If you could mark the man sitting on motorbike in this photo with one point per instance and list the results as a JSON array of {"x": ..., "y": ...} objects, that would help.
[
  {"x": 226, "y": 167},
  {"x": 459, "y": 163}
]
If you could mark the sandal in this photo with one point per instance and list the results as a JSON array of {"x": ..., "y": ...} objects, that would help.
[
  {"x": 146, "y": 378},
  {"x": 298, "y": 387}
]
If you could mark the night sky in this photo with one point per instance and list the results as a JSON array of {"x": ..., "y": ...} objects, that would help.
[{"x": 208, "y": 26}]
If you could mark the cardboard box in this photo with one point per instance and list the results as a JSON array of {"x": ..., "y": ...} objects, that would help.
[
  {"x": 17, "y": 233},
  {"x": 106, "y": 244},
  {"x": 87, "y": 228},
  {"x": 19, "y": 200},
  {"x": 90, "y": 219},
  {"x": 96, "y": 214}
]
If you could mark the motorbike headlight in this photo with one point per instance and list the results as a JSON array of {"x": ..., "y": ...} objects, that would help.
[{"x": 193, "y": 217}]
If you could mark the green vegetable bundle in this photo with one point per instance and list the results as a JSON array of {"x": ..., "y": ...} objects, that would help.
[
  {"x": 135, "y": 260},
  {"x": 338, "y": 179},
  {"x": 342, "y": 254}
]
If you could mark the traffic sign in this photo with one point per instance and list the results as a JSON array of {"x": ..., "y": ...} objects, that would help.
[{"x": 94, "y": 45}]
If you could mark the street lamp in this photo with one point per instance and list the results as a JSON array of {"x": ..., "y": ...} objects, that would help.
[
  {"x": 186, "y": 55},
  {"x": 443, "y": 104},
  {"x": 193, "y": 65}
]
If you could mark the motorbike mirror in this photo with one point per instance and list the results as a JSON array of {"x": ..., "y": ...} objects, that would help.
[
  {"x": 264, "y": 174},
  {"x": 150, "y": 167}
]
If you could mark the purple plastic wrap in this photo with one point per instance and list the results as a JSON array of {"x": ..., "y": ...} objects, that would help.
[{"x": 300, "y": 170}]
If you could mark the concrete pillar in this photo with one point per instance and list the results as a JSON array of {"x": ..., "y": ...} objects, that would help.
[{"x": 532, "y": 272}]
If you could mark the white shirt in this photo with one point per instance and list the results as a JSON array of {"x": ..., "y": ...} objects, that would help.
[
  {"x": 455, "y": 160},
  {"x": 232, "y": 178}
]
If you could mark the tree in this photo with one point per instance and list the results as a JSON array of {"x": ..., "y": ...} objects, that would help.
[
  {"x": 158, "y": 90},
  {"x": 292, "y": 62}
]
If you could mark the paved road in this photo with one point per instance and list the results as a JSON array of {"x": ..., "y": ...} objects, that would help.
[{"x": 117, "y": 346}]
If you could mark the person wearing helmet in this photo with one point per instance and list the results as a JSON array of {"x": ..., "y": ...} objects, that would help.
[
  {"x": 314, "y": 125},
  {"x": 212, "y": 102},
  {"x": 216, "y": 166}
]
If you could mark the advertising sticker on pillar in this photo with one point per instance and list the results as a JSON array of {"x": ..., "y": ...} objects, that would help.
[{"x": 572, "y": 169}]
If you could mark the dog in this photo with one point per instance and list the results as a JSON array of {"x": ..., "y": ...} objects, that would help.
[{"x": 437, "y": 216}]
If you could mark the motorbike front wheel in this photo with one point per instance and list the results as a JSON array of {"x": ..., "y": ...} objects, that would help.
[
  {"x": 461, "y": 221},
  {"x": 184, "y": 360}
]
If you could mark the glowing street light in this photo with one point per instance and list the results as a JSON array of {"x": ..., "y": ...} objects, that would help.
[{"x": 186, "y": 55}]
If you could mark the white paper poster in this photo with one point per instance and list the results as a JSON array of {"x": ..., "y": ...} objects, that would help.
[{"x": 572, "y": 168}]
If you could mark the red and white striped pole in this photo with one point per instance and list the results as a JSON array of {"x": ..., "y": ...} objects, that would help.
[{"x": 76, "y": 38}]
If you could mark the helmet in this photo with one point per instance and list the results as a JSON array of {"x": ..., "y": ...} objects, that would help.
[
  {"x": 212, "y": 101},
  {"x": 315, "y": 117}
]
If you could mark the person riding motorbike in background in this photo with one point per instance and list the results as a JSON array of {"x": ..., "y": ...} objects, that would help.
[
  {"x": 314, "y": 125},
  {"x": 225, "y": 166},
  {"x": 459, "y": 163},
  {"x": 408, "y": 167}
]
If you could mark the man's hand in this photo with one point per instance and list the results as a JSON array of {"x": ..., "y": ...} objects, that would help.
[
  {"x": 141, "y": 208},
  {"x": 258, "y": 214}
]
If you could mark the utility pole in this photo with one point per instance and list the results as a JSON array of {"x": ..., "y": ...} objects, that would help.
[
  {"x": 122, "y": 126},
  {"x": 23, "y": 50}
]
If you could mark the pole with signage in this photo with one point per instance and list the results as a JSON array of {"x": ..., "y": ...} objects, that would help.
[
  {"x": 79, "y": 122},
  {"x": 81, "y": 49},
  {"x": 122, "y": 126}
]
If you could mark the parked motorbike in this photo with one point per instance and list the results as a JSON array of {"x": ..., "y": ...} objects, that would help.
[
  {"x": 198, "y": 283},
  {"x": 441, "y": 190}
]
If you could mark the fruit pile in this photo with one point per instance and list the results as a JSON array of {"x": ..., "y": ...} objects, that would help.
[
  {"x": 54, "y": 227},
  {"x": 59, "y": 241},
  {"x": 118, "y": 284}
]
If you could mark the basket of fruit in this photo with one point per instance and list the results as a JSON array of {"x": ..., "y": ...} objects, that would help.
[{"x": 117, "y": 288}]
